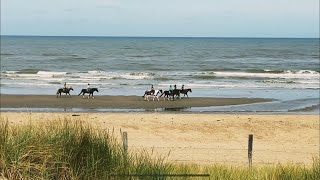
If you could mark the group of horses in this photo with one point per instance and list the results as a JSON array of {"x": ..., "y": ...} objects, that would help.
[
  {"x": 155, "y": 94},
  {"x": 169, "y": 95},
  {"x": 83, "y": 92}
]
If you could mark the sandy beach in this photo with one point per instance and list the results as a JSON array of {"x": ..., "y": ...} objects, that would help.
[
  {"x": 203, "y": 138},
  {"x": 116, "y": 102}
]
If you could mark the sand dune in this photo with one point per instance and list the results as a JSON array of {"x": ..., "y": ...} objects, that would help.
[{"x": 204, "y": 138}]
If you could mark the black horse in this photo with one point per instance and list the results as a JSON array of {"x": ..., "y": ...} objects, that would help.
[
  {"x": 185, "y": 92},
  {"x": 64, "y": 90},
  {"x": 171, "y": 94},
  {"x": 91, "y": 90}
]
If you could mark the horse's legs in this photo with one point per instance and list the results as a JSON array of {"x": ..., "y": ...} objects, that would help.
[
  {"x": 156, "y": 97},
  {"x": 168, "y": 97}
]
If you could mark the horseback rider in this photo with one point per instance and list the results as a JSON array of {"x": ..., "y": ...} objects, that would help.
[
  {"x": 175, "y": 87},
  {"x": 182, "y": 87},
  {"x": 65, "y": 86},
  {"x": 170, "y": 89},
  {"x": 88, "y": 87},
  {"x": 152, "y": 89}
]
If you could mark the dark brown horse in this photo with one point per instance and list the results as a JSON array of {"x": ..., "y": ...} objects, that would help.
[
  {"x": 64, "y": 90},
  {"x": 170, "y": 94},
  {"x": 91, "y": 91},
  {"x": 185, "y": 92}
]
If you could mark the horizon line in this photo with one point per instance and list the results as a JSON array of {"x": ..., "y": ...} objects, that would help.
[{"x": 120, "y": 36}]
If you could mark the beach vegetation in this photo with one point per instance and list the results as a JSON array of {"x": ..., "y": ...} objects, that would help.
[{"x": 64, "y": 149}]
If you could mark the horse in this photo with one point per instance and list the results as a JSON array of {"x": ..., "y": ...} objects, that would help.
[
  {"x": 91, "y": 91},
  {"x": 185, "y": 92},
  {"x": 64, "y": 90},
  {"x": 170, "y": 95},
  {"x": 148, "y": 94}
]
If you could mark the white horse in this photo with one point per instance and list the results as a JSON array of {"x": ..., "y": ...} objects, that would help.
[{"x": 154, "y": 95}]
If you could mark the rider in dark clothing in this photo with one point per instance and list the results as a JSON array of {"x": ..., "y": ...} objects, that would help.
[{"x": 152, "y": 89}]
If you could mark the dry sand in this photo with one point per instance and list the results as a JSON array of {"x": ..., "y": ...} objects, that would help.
[{"x": 205, "y": 138}]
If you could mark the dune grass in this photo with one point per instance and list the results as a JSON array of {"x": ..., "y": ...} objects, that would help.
[{"x": 64, "y": 150}]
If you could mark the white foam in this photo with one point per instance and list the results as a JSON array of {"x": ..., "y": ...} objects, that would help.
[
  {"x": 9, "y": 72},
  {"x": 51, "y": 73},
  {"x": 302, "y": 74},
  {"x": 99, "y": 75}
]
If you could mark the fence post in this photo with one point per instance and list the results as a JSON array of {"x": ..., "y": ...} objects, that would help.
[
  {"x": 125, "y": 141},
  {"x": 250, "y": 141}
]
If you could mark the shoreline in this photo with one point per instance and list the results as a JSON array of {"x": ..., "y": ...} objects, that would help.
[
  {"x": 201, "y": 138},
  {"x": 117, "y": 102}
]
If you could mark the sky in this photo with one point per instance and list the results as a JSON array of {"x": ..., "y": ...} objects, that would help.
[{"x": 161, "y": 18}]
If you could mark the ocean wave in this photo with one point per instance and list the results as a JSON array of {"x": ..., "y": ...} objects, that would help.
[
  {"x": 32, "y": 74},
  {"x": 285, "y": 79},
  {"x": 147, "y": 55},
  {"x": 265, "y": 71},
  {"x": 9, "y": 72},
  {"x": 51, "y": 73},
  {"x": 7, "y": 54},
  {"x": 52, "y": 54},
  {"x": 119, "y": 75},
  {"x": 279, "y": 81},
  {"x": 204, "y": 77},
  {"x": 67, "y": 58},
  {"x": 299, "y": 74},
  {"x": 28, "y": 71}
]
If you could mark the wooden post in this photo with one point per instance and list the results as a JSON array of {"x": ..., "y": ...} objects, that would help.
[
  {"x": 125, "y": 141},
  {"x": 250, "y": 141}
]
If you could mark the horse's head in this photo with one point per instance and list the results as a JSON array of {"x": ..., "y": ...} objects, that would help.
[
  {"x": 160, "y": 90},
  {"x": 71, "y": 88},
  {"x": 96, "y": 89},
  {"x": 190, "y": 90}
]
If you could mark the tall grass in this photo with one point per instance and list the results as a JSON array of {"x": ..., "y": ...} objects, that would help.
[{"x": 63, "y": 150}]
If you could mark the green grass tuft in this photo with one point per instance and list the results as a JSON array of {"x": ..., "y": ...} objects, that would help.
[{"x": 64, "y": 150}]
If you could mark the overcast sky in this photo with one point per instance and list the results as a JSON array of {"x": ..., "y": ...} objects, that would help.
[{"x": 213, "y": 18}]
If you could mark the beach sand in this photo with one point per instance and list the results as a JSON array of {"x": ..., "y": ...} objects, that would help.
[
  {"x": 203, "y": 138},
  {"x": 116, "y": 102}
]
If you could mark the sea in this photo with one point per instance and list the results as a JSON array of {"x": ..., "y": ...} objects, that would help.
[{"x": 283, "y": 69}]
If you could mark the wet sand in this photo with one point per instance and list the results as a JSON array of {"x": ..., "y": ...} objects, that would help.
[
  {"x": 116, "y": 102},
  {"x": 203, "y": 138}
]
